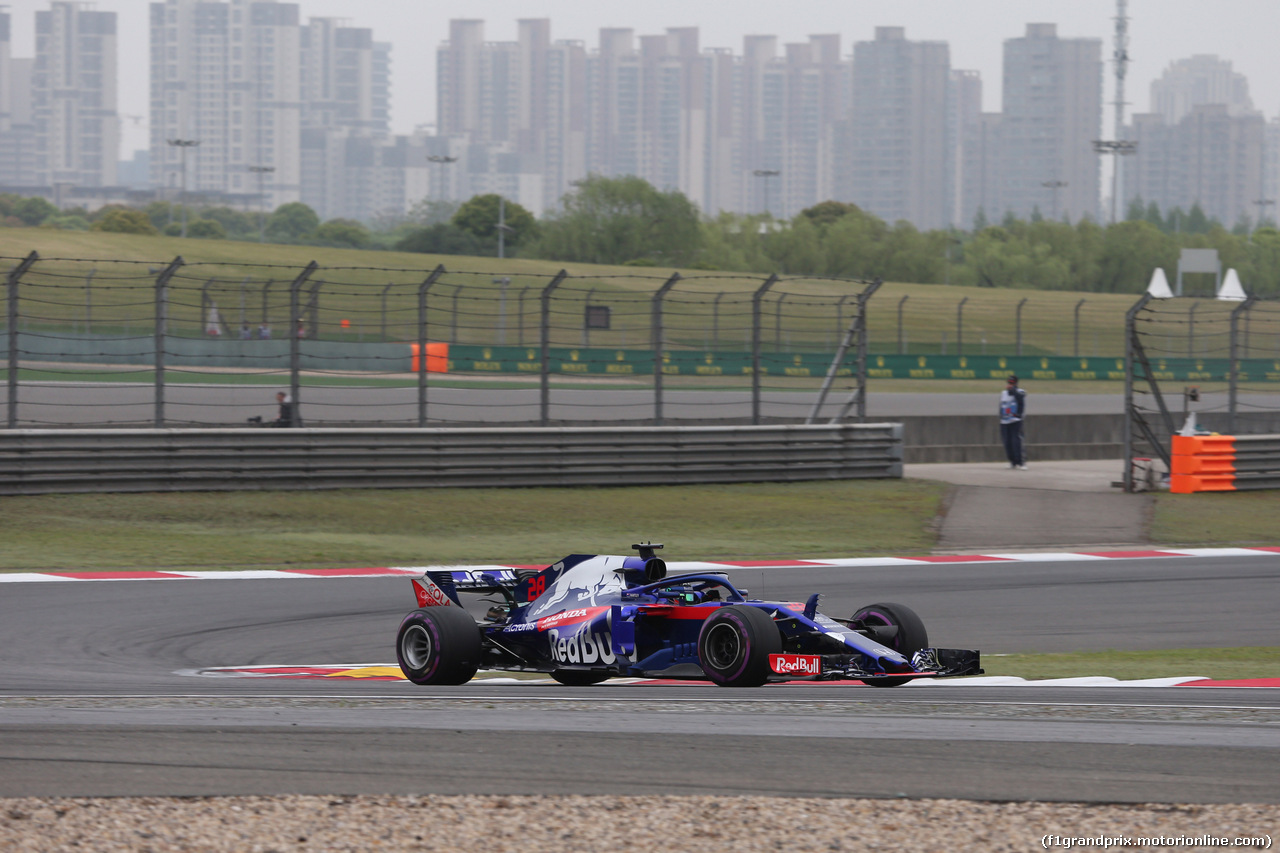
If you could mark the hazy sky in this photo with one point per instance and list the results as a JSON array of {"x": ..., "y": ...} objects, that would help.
[{"x": 1160, "y": 31}]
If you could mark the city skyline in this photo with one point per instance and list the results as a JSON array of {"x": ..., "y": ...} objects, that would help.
[{"x": 1160, "y": 34}]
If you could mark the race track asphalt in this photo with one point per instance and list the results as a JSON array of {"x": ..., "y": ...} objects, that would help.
[{"x": 92, "y": 701}]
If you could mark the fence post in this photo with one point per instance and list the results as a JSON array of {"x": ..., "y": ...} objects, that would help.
[
  {"x": 1018, "y": 323},
  {"x": 453, "y": 316},
  {"x": 266, "y": 317},
  {"x": 1076, "y": 345},
  {"x": 295, "y": 342},
  {"x": 205, "y": 305},
  {"x": 505, "y": 282},
  {"x": 520, "y": 314},
  {"x": 313, "y": 308},
  {"x": 422, "y": 340},
  {"x": 11, "y": 290},
  {"x": 88, "y": 301},
  {"x": 657, "y": 346},
  {"x": 715, "y": 321},
  {"x": 777, "y": 322},
  {"x": 1130, "y": 346},
  {"x": 960, "y": 326},
  {"x": 856, "y": 336},
  {"x": 1191, "y": 330},
  {"x": 864, "y": 342},
  {"x": 162, "y": 320},
  {"x": 840, "y": 312},
  {"x": 586, "y": 327},
  {"x": 756, "y": 299},
  {"x": 545, "y": 366},
  {"x": 1233, "y": 374},
  {"x": 383, "y": 335},
  {"x": 901, "y": 340}
]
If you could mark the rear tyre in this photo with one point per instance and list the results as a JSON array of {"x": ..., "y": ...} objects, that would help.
[
  {"x": 579, "y": 677},
  {"x": 734, "y": 646},
  {"x": 438, "y": 645},
  {"x": 910, "y": 637}
]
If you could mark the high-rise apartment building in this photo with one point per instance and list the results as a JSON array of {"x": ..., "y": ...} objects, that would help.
[
  {"x": 965, "y": 148},
  {"x": 1201, "y": 79},
  {"x": 1052, "y": 114},
  {"x": 346, "y": 78},
  {"x": 813, "y": 95},
  {"x": 73, "y": 97},
  {"x": 1203, "y": 143},
  {"x": 226, "y": 76},
  {"x": 17, "y": 130},
  {"x": 899, "y": 128},
  {"x": 514, "y": 110},
  {"x": 1210, "y": 157},
  {"x": 349, "y": 166},
  {"x": 1269, "y": 202}
]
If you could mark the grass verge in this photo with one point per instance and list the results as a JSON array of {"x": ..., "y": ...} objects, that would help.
[
  {"x": 1218, "y": 664},
  {"x": 1242, "y": 519},
  {"x": 418, "y": 527}
]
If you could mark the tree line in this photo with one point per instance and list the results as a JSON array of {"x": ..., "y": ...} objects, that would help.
[{"x": 628, "y": 221}]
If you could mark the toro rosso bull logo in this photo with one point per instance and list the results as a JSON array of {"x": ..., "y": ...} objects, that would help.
[
  {"x": 796, "y": 664},
  {"x": 579, "y": 587}
]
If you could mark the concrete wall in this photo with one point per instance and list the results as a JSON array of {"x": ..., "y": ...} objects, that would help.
[{"x": 976, "y": 438}]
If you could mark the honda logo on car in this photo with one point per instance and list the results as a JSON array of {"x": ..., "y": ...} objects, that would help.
[
  {"x": 570, "y": 617},
  {"x": 429, "y": 595},
  {"x": 796, "y": 664}
]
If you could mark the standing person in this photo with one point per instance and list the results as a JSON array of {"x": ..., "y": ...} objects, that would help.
[
  {"x": 285, "y": 418},
  {"x": 1013, "y": 403}
]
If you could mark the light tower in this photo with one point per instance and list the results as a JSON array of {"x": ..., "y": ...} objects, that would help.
[{"x": 1121, "y": 58}]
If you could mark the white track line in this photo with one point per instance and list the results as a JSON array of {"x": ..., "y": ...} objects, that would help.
[{"x": 673, "y": 567}]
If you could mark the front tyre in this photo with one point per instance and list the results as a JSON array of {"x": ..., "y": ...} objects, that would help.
[
  {"x": 438, "y": 645},
  {"x": 734, "y": 646},
  {"x": 896, "y": 626}
]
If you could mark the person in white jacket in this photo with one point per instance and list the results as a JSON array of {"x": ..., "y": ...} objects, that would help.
[{"x": 1013, "y": 404}]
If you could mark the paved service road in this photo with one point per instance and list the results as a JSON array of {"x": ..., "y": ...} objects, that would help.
[
  {"x": 42, "y": 404},
  {"x": 90, "y": 702}
]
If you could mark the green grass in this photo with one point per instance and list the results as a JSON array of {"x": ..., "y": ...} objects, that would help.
[
  {"x": 1216, "y": 518},
  {"x": 417, "y": 527},
  {"x": 1218, "y": 664}
]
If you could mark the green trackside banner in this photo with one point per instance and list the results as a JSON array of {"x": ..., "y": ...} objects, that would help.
[{"x": 598, "y": 361}]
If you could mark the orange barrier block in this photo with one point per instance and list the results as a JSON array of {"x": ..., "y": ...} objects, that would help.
[
  {"x": 1185, "y": 484},
  {"x": 1202, "y": 465},
  {"x": 437, "y": 358},
  {"x": 1204, "y": 445}
]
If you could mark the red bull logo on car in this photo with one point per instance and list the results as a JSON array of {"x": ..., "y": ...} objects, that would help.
[
  {"x": 585, "y": 646},
  {"x": 796, "y": 664}
]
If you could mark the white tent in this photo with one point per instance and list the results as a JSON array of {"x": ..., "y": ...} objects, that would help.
[
  {"x": 1231, "y": 289},
  {"x": 1159, "y": 286}
]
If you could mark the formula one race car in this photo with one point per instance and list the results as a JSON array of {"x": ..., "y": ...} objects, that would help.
[{"x": 589, "y": 618}]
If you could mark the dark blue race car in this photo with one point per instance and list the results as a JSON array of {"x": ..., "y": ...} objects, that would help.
[{"x": 589, "y": 618}]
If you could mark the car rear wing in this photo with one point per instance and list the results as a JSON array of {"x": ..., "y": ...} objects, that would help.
[{"x": 480, "y": 581}]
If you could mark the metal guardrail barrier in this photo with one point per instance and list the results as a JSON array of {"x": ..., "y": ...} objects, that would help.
[
  {"x": 1224, "y": 463},
  {"x": 151, "y": 460}
]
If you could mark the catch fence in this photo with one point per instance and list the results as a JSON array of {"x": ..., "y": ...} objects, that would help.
[
  {"x": 135, "y": 343},
  {"x": 1198, "y": 365}
]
